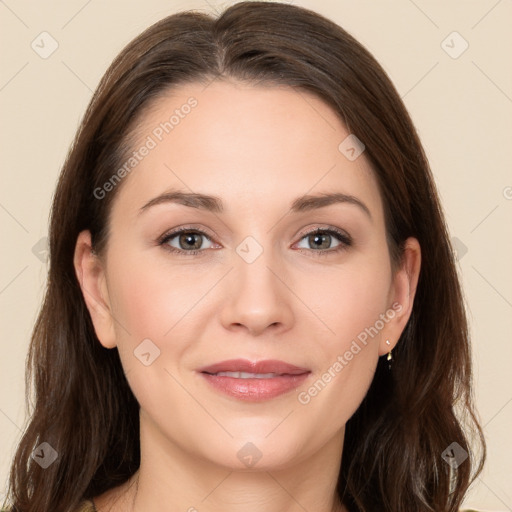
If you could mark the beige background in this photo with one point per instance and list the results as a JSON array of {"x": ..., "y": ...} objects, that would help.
[{"x": 461, "y": 106}]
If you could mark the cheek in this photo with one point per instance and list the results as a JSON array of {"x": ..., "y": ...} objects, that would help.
[
  {"x": 352, "y": 300},
  {"x": 158, "y": 302},
  {"x": 149, "y": 297},
  {"x": 147, "y": 304},
  {"x": 143, "y": 304},
  {"x": 344, "y": 374},
  {"x": 347, "y": 360}
]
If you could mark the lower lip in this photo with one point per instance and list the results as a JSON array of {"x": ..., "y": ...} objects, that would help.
[{"x": 254, "y": 390}]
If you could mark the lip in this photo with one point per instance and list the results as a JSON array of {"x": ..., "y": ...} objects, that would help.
[{"x": 287, "y": 377}]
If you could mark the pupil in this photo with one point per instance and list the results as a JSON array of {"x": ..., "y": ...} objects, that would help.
[
  {"x": 318, "y": 239},
  {"x": 189, "y": 239}
]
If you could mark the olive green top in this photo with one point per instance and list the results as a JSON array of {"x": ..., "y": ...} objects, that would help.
[{"x": 86, "y": 506}]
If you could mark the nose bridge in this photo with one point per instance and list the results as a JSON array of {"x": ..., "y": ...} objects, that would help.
[
  {"x": 258, "y": 298},
  {"x": 252, "y": 263}
]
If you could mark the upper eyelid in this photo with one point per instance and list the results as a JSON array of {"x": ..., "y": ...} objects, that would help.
[{"x": 184, "y": 229}]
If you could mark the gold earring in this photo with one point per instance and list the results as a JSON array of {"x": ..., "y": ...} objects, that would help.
[{"x": 390, "y": 355}]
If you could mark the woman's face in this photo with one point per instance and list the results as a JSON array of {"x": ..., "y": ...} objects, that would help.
[{"x": 249, "y": 279}]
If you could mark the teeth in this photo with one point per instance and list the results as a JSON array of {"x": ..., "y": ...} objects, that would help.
[{"x": 246, "y": 375}]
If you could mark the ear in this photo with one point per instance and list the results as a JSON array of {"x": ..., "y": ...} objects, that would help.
[
  {"x": 91, "y": 277},
  {"x": 402, "y": 294}
]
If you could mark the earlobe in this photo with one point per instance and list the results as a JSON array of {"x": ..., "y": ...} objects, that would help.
[
  {"x": 402, "y": 297},
  {"x": 91, "y": 278}
]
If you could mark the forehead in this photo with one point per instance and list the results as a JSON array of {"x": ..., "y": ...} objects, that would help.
[{"x": 246, "y": 144}]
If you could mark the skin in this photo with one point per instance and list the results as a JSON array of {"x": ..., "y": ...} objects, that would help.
[{"x": 257, "y": 148}]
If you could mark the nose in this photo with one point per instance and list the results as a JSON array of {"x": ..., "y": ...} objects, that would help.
[{"x": 258, "y": 298}]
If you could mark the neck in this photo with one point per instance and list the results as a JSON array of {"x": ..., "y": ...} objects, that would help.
[{"x": 171, "y": 479}]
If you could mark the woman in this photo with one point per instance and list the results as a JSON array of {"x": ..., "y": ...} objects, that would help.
[{"x": 252, "y": 300}]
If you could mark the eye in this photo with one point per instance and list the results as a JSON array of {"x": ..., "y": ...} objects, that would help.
[
  {"x": 321, "y": 239},
  {"x": 184, "y": 241},
  {"x": 189, "y": 242}
]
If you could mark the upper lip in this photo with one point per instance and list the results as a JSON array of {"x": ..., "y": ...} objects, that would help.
[{"x": 244, "y": 365}]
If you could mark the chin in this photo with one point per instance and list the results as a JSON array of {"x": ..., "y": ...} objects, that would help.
[{"x": 258, "y": 452}]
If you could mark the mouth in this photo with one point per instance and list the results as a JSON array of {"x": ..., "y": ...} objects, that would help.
[{"x": 254, "y": 381}]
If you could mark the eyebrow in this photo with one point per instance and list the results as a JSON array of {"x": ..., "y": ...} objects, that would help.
[{"x": 214, "y": 204}]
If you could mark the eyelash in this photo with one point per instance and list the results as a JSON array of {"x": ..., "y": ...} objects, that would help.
[{"x": 345, "y": 239}]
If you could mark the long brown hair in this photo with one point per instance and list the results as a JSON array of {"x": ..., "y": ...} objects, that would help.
[{"x": 395, "y": 444}]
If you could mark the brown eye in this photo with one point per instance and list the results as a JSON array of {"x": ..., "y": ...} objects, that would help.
[
  {"x": 190, "y": 241},
  {"x": 185, "y": 241},
  {"x": 320, "y": 241}
]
